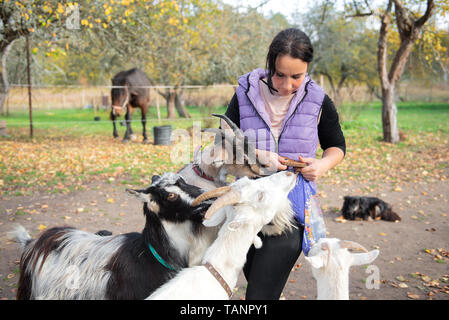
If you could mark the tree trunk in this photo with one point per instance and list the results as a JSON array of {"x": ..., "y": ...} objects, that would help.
[
  {"x": 170, "y": 98},
  {"x": 409, "y": 29},
  {"x": 4, "y": 85},
  {"x": 389, "y": 115},
  {"x": 180, "y": 105}
]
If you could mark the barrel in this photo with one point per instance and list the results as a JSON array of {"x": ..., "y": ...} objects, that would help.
[{"x": 162, "y": 135}]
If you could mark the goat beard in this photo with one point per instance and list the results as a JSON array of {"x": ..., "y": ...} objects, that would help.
[{"x": 282, "y": 222}]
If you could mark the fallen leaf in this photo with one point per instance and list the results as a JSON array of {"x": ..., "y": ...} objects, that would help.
[
  {"x": 340, "y": 219},
  {"x": 110, "y": 200},
  {"x": 402, "y": 285},
  {"x": 412, "y": 296},
  {"x": 42, "y": 227},
  {"x": 401, "y": 278},
  {"x": 383, "y": 234}
]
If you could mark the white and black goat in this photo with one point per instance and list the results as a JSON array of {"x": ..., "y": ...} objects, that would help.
[
  {"x": 245, "y": 207},
  {"x": 67, "y": 263},
  {"x": 232, "y": 153},
  {"x": 330, "y": 261}
]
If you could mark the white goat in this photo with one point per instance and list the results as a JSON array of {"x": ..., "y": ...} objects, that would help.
[
  {"x": 247, "y": 205},
  {"x": 330, "y": 261}
]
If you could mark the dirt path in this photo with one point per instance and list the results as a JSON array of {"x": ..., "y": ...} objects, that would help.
[{"x": 406, "y": 270}]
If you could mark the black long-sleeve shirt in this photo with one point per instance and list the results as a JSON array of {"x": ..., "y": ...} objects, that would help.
[{"x": 329, "y": 129}]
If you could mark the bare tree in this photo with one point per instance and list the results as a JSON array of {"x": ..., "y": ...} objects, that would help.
[{"x": 409, "y": 27}]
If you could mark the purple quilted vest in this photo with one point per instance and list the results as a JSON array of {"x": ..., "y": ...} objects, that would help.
[
  {"x": 299, "y": 131},
  {"x": 298, "y": 136}
]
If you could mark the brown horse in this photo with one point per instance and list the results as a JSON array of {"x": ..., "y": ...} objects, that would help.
[{"x": 130, "y": 90}]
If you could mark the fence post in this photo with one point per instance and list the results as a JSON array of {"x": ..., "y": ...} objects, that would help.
[
  {"x": 157, "y": 107},
  {"x": 83, "y": 97},
  {"x": 30, "y": 107}
]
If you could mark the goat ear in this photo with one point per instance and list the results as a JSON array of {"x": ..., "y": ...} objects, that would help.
[
  {"x": 359, "y": 259},
  {"x": 316, "y": 261},
  {"x": 216, "y": 219},
  {"x": 140, "y": 194},
  {"x": 155, "y": 178},
  {"x": 257, "y": 242}
]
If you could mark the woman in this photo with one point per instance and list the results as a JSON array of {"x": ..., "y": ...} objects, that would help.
[{"x": 287, "y": 114}]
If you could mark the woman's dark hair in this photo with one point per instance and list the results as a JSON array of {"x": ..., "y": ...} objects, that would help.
[{"x": 292, "y": 42}]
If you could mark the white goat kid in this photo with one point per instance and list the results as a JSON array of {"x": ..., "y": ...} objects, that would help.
[
  {"x": 246, "y": 206},
  {"x": 330, "y": 261}
]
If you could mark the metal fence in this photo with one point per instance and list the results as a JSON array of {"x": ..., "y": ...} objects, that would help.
[{"x": 98, "y": 97}]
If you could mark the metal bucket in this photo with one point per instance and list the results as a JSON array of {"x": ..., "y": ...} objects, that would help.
[{"x": 162, "y": 135}]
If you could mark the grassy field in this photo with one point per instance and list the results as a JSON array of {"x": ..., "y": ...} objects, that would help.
[
  {"x": 415, "y": 116},
  {"x": 81, "y": 121},
  {"x": 70, "y": 149}
]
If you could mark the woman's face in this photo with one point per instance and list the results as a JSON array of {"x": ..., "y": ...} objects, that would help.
[{"x": 289, "y": 74}]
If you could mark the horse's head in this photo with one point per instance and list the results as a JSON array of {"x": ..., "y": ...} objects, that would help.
[{"x": 119, "y": 99}]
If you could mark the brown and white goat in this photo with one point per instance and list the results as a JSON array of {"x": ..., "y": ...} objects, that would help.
[{"x": 232, "y": 153}]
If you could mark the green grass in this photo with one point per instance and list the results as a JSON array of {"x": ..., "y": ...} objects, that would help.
[
  {"x": 414, "y": 116},
  {"x": 81, "y": 121}
]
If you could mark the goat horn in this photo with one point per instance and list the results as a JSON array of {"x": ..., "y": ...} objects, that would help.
[
  {"x": 210, "y": 194},
  {"x": 325, "y": 246},
  {"x": 256, "y": 168},
  {"x": 230, "y": 123},
  {"x": 228, "y": 198},
  {"x": 352, "y": 245}
]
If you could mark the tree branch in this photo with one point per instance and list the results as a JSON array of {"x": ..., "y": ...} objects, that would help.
[
  {"x": 382, "y": 47},
  {"x": 426, "y": 16},
  {"x": 409, "y": 31}
]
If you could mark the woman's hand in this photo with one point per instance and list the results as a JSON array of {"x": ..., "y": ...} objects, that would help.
[
  {"x": 272, "y": 161},
  {"x": 315, "y": 168}
]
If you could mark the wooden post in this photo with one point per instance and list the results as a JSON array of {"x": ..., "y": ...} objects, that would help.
[
  {"x": 158, "y": 109},
  {"x": 30, "y": 107},
  {"x": 83, "y": 98}
]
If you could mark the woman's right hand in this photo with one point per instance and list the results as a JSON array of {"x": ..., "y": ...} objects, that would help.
[{"x": 272, "y": 161}]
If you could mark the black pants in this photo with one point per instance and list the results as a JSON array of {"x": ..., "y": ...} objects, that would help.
[{"x": 267, "y": 269}]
